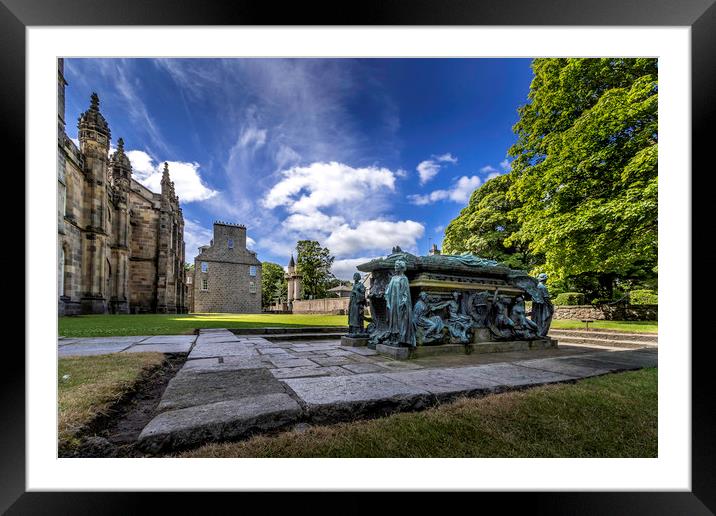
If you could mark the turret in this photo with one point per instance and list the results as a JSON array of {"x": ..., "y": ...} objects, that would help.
[
  {"x": 120, "y": 167},
  {"x": 93, "y": 128}
]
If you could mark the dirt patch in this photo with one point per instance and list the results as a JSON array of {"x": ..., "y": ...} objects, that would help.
[{"x": 114, "y": 433}]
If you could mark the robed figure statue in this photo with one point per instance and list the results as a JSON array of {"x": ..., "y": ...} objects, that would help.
[
  {"x": 399, "y": 307},
  {"x": 355, "y": 308},
  {"x": 542, "y": 308}
]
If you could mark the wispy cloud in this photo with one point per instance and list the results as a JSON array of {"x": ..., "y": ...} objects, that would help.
[
  {"x": 428, "y": 169},
  {"x": 459, "y": 192}
]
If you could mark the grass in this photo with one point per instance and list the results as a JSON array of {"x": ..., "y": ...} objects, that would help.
[
  {"x": 88, "y": 386},
  {"x": 608, "y": 416},
  {"x": 175, "y": 324},
  {"x": 626, "y": 326}
]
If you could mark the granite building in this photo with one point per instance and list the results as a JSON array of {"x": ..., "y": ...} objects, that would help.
[
  {"x": 227, "y": 275},
  {"x": 120, "y": 246}
]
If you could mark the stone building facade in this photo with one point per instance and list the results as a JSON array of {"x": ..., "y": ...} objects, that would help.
[
  {"x": 227, "y": 275},
  {"x": 120, "y": 247}
]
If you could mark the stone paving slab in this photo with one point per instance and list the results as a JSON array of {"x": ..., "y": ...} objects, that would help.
[
  {"x": 170, "y": 339},
  {"x": 222, "y": 420},
  {"x": 92, "y": 341},
  {"x": 272, "y": 351},
  {"x": 349, "y": 397},
  {"x": 512, "y": 375},
  {"x": 92, "y": 349},
  {"x": 235, "y": 363},
  {"x": 562, "y": 366},
  {"x": 281, "y": 361},
  {"x": 330, "y": 361},
  {"x": 447, "y": 383},
  {"x": 222, "y": 349},
  {"x": 308, "y": 371},
  {"x": 364, "y": 367},
  {"x": 193, "y": 387},
  {"x": 160, "y": 348}
]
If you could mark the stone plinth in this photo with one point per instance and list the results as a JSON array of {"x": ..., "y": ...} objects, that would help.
[
  {"x": 398, "y": 353},
  {"x": 442, "y": 349},
  {"x": 465, "y": 349},
  {"x": 513, "y": 345},
  {"x": 354, "y": 341}
]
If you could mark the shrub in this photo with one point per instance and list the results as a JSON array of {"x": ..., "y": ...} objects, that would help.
[
  {"x": 569, "y": 298},
  {"x": 643, "y": 297}
]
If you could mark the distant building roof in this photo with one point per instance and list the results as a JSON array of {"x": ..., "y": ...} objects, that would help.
[{"x": 340, "y": 288}]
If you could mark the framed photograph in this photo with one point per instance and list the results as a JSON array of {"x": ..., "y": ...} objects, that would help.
[{"x": 236, "y": 128}]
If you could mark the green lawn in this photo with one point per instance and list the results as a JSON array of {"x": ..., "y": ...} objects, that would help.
[
  {"x": 173, "y": 324},
  {"x": 608, "y": 416},
  {"x": 88, "y": 386},
  {"x": 626, "y": 326}
]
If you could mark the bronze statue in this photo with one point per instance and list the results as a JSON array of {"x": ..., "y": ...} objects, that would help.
[
  {"x": 458, "y": 324},
  {"x": 524, "y": 328},
  {"x": 499, "y": 322},
  {"x": 429, "y": 328},
  {"x": 399, "y": 306},
  {"x": 355, "y": 308},
  {"x": 542, "y": 308}
]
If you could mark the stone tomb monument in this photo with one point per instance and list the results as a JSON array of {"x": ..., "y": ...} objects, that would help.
[{"x": 424, "y": 305}]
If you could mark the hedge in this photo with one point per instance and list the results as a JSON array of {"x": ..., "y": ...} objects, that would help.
[
  {"x": 643, "y": 297},
  {"x": 569, "y": 298}
]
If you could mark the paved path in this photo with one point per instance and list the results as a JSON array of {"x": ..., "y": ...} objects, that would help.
[
  {"x": 137, "y": 344},
  {"x": 233, "y": 386}
]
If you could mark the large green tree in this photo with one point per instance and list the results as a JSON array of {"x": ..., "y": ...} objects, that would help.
[
  {"x": 273, "y": 283},
  {"x": 485, "y": 223},
  {"x": 314, "y": 264},
  {"x": 585, "y": 168}
]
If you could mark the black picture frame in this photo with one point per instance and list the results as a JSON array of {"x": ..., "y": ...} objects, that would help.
[{"x": 699, "y": 15}]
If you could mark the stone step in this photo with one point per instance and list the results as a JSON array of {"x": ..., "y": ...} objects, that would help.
[
  {"x": 608, "y": 335},
  {"x": 303, "y": 336},
  {"x": 340, "y": 330},
  {"x": 580, "y": 341}
]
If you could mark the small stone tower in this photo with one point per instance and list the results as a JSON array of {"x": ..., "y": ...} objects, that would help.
[
  {"x": 434, "y": 250},
  {"x": 94, "y": 135},
  {"x": 294, "y": 283}
]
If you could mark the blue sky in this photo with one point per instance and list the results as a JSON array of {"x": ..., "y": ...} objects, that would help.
[{"x": 359, "y": 154}]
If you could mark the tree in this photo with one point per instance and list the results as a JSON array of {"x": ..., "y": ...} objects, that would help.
[
  {"x": 585, "y": 168},
  {"x": 314, "y": 264},
  {"x": 273, "y": 283},
  {"x": 485, "y": 223}
]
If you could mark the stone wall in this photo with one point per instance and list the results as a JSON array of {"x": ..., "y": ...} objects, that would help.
[
  {"x": 607, "y": 312},
  {"x": 228, "y": 288},
  {"x": 321, "y": 306}
]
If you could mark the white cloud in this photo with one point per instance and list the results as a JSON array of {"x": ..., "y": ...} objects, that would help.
[
  {"x": 439, "y": 229},
  {"x": 460, "y": 192},
  {"x": 489, "y": 169},
  {"x": 493, "y": 175},
  {"x": 401, "y": 173},
  {"x": 187, "y": 180},
  {"x": 428, "y": 169},
  {"x": 321, "y": 185},
  {"x": 344, "y": 269},
  {"x": 314, "y": 224},
  {"x": 250, "y": 242},
  {"x": 379, "y": 235},
  {"x": 506, "y": 165},
  {"x": 449, "y": 158}
]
